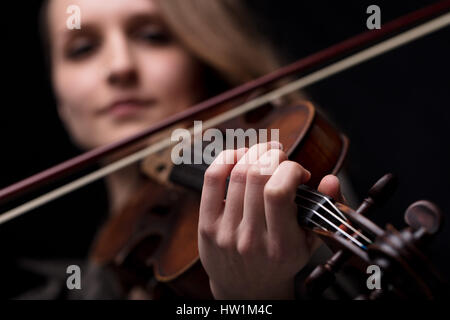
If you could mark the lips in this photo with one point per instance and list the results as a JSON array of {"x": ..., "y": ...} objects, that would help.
[{"x": 126, "y": 107}]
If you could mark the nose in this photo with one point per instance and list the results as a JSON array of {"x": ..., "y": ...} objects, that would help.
[{"x": 121, "y": 64}]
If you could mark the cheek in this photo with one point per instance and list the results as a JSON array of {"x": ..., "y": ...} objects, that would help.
[
  {"x": 175, "y": 79},
  {"x": 76, "y": 87},
  {"x": 76, "y": 90}
]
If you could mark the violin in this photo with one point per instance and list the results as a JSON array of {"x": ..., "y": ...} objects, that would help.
[
  {"x": 152, "y": 243},
  {"x": 162, "y": 227},
  {"x": 154, "y": 236}
]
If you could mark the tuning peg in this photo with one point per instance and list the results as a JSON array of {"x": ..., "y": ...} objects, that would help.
[
  {"x": 383, "y": 189},
  {"x": 378, "y": 194},
  {"x": 424, "y": 215}
]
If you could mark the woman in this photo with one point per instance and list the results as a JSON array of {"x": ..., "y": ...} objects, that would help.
[{"x": 135, "y": 62}]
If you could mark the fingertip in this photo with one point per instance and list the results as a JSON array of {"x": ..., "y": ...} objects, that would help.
[
  {"x": 331, "y": 178},
  {"x": 308, "y": 174},
  {"x": 305, "y": 173},
  {"x": 330, "y": 186}
]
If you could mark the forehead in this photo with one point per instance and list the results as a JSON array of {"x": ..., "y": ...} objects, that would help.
[{"x": 97, "y": 11}]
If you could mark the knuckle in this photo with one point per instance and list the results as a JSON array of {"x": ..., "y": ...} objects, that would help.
[
  {"x": 274, "y": 193},
  {"x": 247, "y": 246},
  {"x": 254, "y": 175},
  {"x": 227, "y": 156},
  {"x": 213, "y": 175},
  {"x": 297, "y": 172},
  {"x": 239, "y": 174},
  {"x": 244, "y": 248},
  {"x": 207, "y": 232},
  {"x": 259, "y": 147},
  {"x": 224, "y": 242}
]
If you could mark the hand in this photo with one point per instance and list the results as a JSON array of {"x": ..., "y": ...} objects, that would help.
[{"x": 251, "y": 245}]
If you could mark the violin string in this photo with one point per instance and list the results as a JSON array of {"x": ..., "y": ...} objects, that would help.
[
  {"x": 323, "y": 197},
  {"x": 338, "y": 218},
  {"x": 351, "y": 61},
  {"x": 316, "y": 224},
  {"x": 202, "y": 168},
  {"x": 335, "y": 227},
  {"x": 341, "y": 218},
  {"x": 330, "y": 223},
  {"x": 318, "y": 194}
]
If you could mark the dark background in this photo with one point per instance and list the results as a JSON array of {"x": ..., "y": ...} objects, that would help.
[{"x": 394, "y": 108}]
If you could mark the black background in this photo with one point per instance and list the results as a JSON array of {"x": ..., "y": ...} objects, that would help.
[{"x": 395, "y": 109}]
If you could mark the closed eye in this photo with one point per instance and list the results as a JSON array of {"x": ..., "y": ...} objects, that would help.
[
  {"x": 151, "y": 35},
  {"x": 81, "y": 48}
]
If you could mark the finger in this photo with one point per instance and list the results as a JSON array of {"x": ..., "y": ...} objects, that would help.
[
  {"x": 254, "y": 219},
  {"x": 257, "y": 150},
  {"x": 234, "y": 204},
  {"x": 214, "y": 184},
  {"x": 331, "y": 187},
  {"x": 279, "y": 195}
]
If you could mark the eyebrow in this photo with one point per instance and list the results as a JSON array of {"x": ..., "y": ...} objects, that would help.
[
  {"x": 142, "y": 18},
  {"x": 132, "y": 21}
]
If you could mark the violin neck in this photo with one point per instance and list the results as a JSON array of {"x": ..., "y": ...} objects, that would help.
[{"x": 315, "y": 210}]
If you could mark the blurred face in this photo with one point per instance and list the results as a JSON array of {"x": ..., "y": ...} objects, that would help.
[{"x": 119, "y": 73}]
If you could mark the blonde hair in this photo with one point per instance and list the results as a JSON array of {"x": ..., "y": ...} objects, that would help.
[{"x": 221, "y": 34}]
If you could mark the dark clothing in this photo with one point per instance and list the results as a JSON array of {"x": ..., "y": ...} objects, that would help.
[
  {"x": 102, "y": 284},
  {"x": 96, "y": 283}
]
